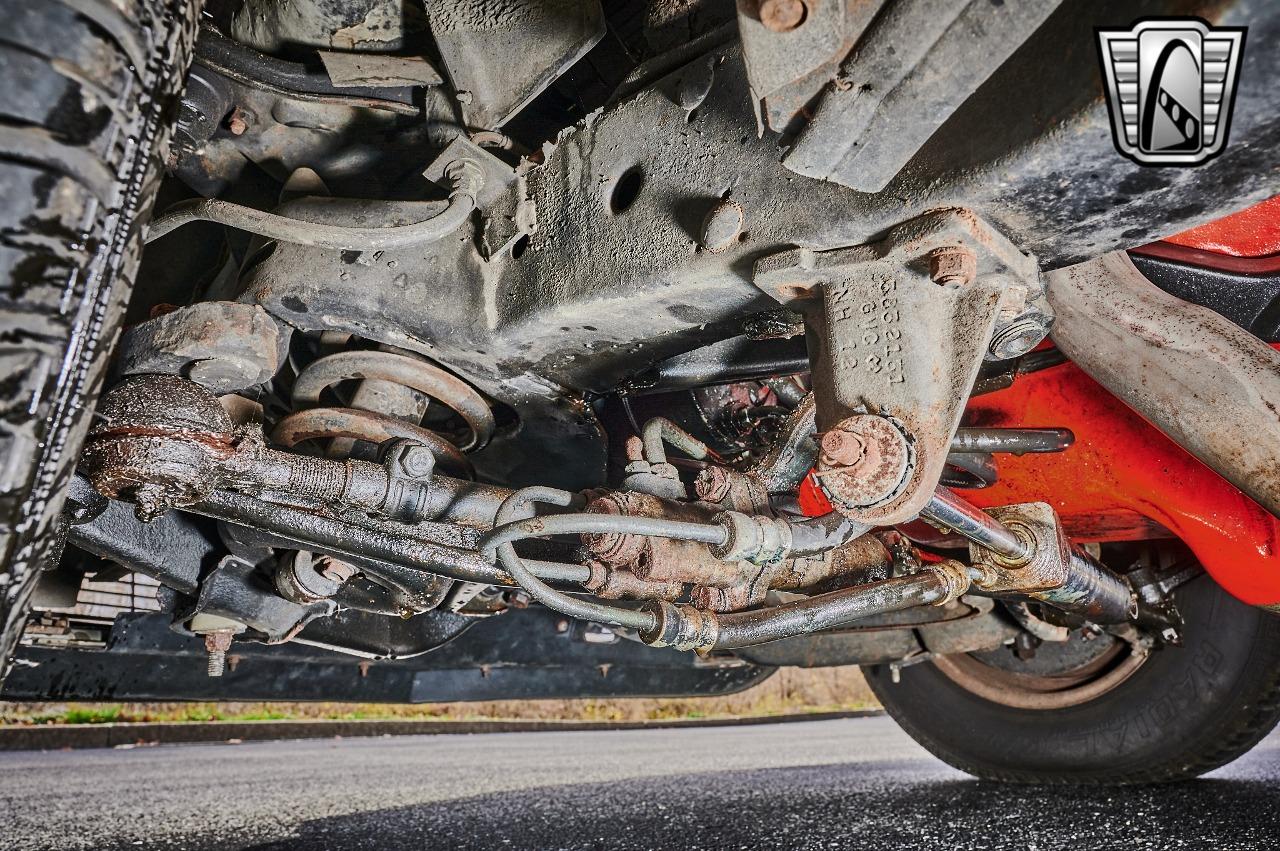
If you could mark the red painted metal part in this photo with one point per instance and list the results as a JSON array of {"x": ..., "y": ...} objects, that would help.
[
  {"x": 1265, "y": 265},
  {"x": 1121, "y": 473},
  {"x": 1252, "y": 232},
  {"x": 1121, "y": 480}
]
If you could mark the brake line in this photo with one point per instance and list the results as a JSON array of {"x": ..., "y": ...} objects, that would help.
[{"x": 465, "y": 177}]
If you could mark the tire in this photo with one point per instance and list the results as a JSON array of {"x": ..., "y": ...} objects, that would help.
[
  {"x": 89, "y": 90},
  {"x": 1183, "y": 711}
]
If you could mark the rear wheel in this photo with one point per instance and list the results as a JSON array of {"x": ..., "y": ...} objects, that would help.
[
  {"x": 1095, "y": 711},
  {"x": 88, "y": 97}
]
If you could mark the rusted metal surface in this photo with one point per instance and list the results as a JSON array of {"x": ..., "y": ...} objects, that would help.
[
  {"x": 163, "y": 442},
  {"x": 921, "y": 60},
  {"x": 734, "y": 490},
  {"x": 158, "y": 441},
  {"x": 953, "y": 266},
  {"x": 216, "y": 644},
  {"x": 324, "y": 423},
  {"x": 865, "y": 459},
  {"x": 613, "y": 583},
  {"x": 890, "y": 346},
  {"x": 399, "y": 369},
  {"x": 1067, "y": 688},
  {"x": 782, "y": 15},
  {"x": 718, "y": 578},
  {"x": 224, "y": 346},
  {"x": 1206, "y": 383},
  {"x": 794, "y": 49},
  {"x": 499, "y": 56},
  {"x": 658, "y": 559}
]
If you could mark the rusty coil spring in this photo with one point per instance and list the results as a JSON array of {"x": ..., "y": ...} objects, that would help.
[{"x": 313, "y": 422}]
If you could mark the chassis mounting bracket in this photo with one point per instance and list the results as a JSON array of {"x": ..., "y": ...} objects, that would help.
[{"x": 897, "y": 330}]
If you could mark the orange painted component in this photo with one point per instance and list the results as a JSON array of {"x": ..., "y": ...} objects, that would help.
[
  {"x": 1121, "y": 470},
  {"x": 1252, "y": 232},
  {"x": 813, "y": 502},
  {"x": 1121, "y": 480}
]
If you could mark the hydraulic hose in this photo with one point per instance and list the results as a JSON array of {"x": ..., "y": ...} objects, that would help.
[
  {"x": 516, "y": 521},
  {"x": 465, "y": 176},
  {"x": 682, "y": 626},
  {"x": 596, "y": 524}
]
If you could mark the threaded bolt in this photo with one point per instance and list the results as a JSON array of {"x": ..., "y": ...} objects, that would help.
[
  {"x": 217, "y": 643},
  {"x": 842, "y": 448}
]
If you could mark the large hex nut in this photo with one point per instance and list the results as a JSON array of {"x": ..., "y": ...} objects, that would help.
[{"x": 865, "y": 461}]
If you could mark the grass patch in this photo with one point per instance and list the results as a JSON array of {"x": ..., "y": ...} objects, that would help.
[
  {"x": 90, "y": 715},
  {"x": 790, "y": 691}
]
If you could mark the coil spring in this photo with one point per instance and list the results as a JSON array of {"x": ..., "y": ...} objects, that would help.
[{"x": 310, "y": 421}]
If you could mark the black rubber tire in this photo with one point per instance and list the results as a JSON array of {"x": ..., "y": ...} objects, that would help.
[
  {"x": 89, "y": 93},
  {"x": 1185, "y": 711}
]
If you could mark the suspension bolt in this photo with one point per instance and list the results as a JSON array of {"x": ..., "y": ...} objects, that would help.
[
  {"x": 782, "y": 15},
  {"x": 954, "y": 266},
  {"x": 841, "y": 448},
  {"x": 239, "y": 121},
  {"x": 334, "y": 570},
  {"x": 412, "y": 460},
  {"x": 722, "y": 226},
  {"x": 865, "y": 460},
  {"x": 1018, "y": 337},
  {"x": 218, "y": 643}
]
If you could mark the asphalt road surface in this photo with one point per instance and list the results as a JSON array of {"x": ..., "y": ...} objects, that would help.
[{"x": 854, "y": 783}]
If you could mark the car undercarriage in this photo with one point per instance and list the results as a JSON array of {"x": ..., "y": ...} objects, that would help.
[{"x": 571, "y": 348}]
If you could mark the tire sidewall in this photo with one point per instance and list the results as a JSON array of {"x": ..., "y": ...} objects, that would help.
[{"x": 1180, "y": 707}]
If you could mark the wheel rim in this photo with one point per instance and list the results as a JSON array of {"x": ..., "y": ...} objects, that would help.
[{"x": 1070, "y": 686}]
